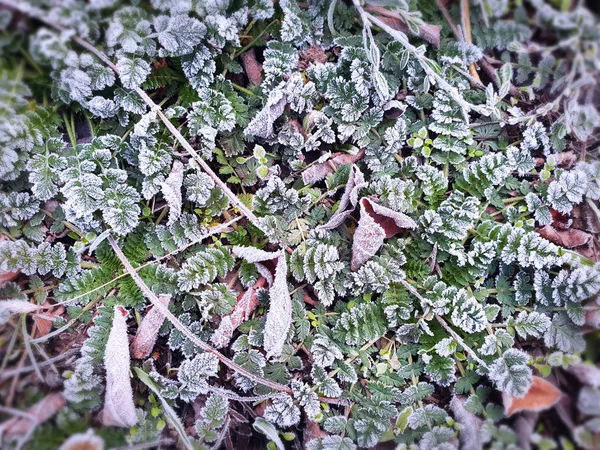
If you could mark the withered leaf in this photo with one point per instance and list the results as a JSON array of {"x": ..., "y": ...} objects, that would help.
[
  {"x": 42, "y": 411},
  {"x": 279, "y": 317},
  {"x": 146, "y": 335},
  {"x": 319, "y": 171},
  {"x": 541, "y": 396},
  {"x": 376, "y": 223},
  {"x": 569, "y": 238},
  {"x": 246, "y": 304},
  {"x": 119, "y": 409}
]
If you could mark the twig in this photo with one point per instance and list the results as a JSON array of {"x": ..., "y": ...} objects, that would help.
[
  {"x": 239, "y": 398},
  {"x": 193, "y": 338},
  {"x": 27, "y": 341},
  {"x": 440, "y": 4},
  {"x": 12, "y": 372}
]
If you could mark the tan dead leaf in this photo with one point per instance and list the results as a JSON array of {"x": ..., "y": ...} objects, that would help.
[
  {"x": 147, "y": 332},
  {"x": 376, "y": 224},
  {"x": 319, "y": 171},
  {"x": 569, "y": 238},
  {"x": 541, "y": 396},
  {"x": 41, "y": 411},
  {"x": 246, "y": 304},
  {"x": 83, "y": 441},
  {"x": 119, "y": 409},
  {"x": 279, "y": 317}
]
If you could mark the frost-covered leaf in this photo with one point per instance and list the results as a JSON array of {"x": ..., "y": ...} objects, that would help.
[
  {"x": 119, "y": 409},
  {"x": 171, "y": 189},
  {"x": 511, "y": 373},
  {"x": 282, "y": 412},
  {"x": 147, "y": 332},
  {"x": 376, "y": 223},
  {"x": 132, "y": 70}
]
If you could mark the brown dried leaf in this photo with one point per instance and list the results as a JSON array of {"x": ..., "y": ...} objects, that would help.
[
  {"x": 41, "y": 411},
  {"x": 119, "y": 409},
  {"x": 45, "y": 321},
  {"x": 279, "y": 317},
  {"x": 541, "y": 396},
  {"x": 246, "y": 304},
  {"x": 252, "y": 67},
  {"x": 585, "y": 218},
  {"x": 376, "y": 224},
  {"x": 146, "y": 335},
  {"x": 319, "y": 171},
  {"x": 570, "y": 238}
]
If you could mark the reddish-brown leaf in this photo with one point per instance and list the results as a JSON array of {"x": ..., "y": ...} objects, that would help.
[
  {"x": 252, "y": 67},
  {"x": 319, "y": 171},
  {"x": 376, "y": 224},
  {"x": 541, "y": 396},
  {"x": 146, "y": 335},
  {"x": 570, "y": 238},
  {"x": 246, "y": 304}
]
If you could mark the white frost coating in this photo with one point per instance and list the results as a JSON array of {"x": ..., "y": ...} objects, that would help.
[
  {"x": 254, "y": 255},
  {"x": 119, "y": 409},
  {"x": 171, "y": 189},
  {"x": 469, "y": 435},
  {"x": 262, "y": 124},
  {"x": 83, "y": 441},
  {"x": 279, "y": 317},
  {"x": 11, "y": 307}
]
